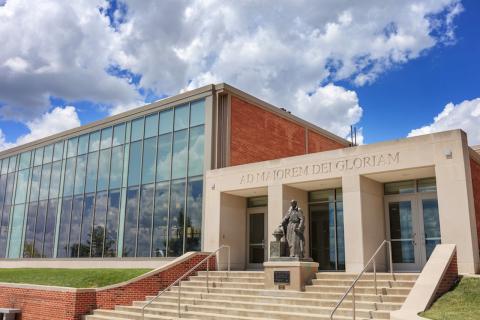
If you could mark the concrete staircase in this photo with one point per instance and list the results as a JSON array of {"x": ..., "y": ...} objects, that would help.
[{"x": 240, "y": 295}]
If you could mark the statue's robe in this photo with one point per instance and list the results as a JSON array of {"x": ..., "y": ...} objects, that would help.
[{"x": 293, "y": 226}]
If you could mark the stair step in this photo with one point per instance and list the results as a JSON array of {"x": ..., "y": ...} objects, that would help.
[
  {"x": 220, "y": 284},
  {"x": 171, "y": 295},
  {"x": 229, "y": 279},
  {"x": 214, "y": 305},
  {"x": 309, "y": 294},
  {"x": 189, "y": 311},
  {"x": 367, "y": 276},
  {"x": 251, "y": 274},
  {"x": 361, "y": 290},
  {"x": 365, "y": 283}
]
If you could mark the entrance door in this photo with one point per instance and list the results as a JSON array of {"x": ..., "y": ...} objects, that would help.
[
  {"x": 413, "y": 228},
  {"x": 256, "y": 231}
]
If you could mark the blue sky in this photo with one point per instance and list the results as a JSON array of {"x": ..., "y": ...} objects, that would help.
[{"x": 390, "y": 68}]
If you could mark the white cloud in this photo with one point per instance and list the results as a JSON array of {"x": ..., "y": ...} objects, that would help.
[
  {"x": 333, "y": 107},
  {"x": 60, "y": 49},
  {"x": 277, "y": 52},
  {"x": 57, "y": 120},
  {"x": 465, "y": 116}
]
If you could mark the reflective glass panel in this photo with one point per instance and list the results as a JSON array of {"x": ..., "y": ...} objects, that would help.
[
  {"x": 48, "y": 154},
  {"x": 50, "y": 228},
  {"x": 106, "y": 141},
  {"x": 427, "y": 185},
  {"x": 4, "y": 230},
  {"x": 401, "y": 232},
  {"x": 83, "y": 144},
  {"x": 112, "y": 223},
  {"x": 160, "y": 220},
  {"x": 164, "y": 157},
  {"x": 166, "y": 121},
  {"x": 28, "y": 251},
  {"x": 119, "y": 134},
  {"x": 69, "y": 177},
  {"x": 3, "y": 184},
  {"x": 256, "y": 237},
  {"x": 4, "y": 166},
  {"x": 177, "y": 216},
  {"x": 116, "y": 172},
  {"x": 12, "y": 164},
  {"x": 151, "y": 125},
  {"x": 181, "y": 117},
  {"x": 24, "y": 160},
  {"x": 9, "y": 188},
  {"x": 38, "y": 157},
  {"x": 137, "y": 129},
  {"x": 40, "y": 228},
  {"x": 130, "y": 235},
  {"x": 55, "y": 179},
  {"x": 431, "y": 225},
  {"x": 92, "y": 167},
  {"x": 321, "y": 196},
  {"x": 99, "y": 224},
  {"x": 74, "y": 242},
  {"x": 22, "y": 183},
  {"x": 145, "y": 220},
  {"x": 16, "y": 230},
  {"x": 193, "y": 222},
  {"x": 197, "y": 113},
  {"x": 72, "y": 147},
  {"x": 261, "y": 201},
  {"x": 400, "y": 187},
  {"x": 58, "y": 151},
  {"x": 80, "y": 174},
  {"x": 322, "y": 224},
  {"x": 149, "y": 158},
  {"x": 86, "y": 231},
  {"x": 340, "y": 237},
  {"x": 135, "y": 163},
  {"x": 196, "y": 151},
  {"x": 179, "y": 161},
  {"x": 35, "y": 184},
  {"x": 45, "y": 184},
  {"x": 94, "y": 143},
  {"x": 64, "y": 230},
  {"x": 103, "y": 170}
]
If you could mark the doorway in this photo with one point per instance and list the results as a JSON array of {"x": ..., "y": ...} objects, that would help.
[
  {"x": 413, "y": 227},
  {"x": 256, "y": 235}
]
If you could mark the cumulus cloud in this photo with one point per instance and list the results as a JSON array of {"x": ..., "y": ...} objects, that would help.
[
  {"x": 57, "y": 120},
  {"x": 287, "y": 53},
  {"x": 465, "y": 116},
  {"x": 60, "y": 49}
]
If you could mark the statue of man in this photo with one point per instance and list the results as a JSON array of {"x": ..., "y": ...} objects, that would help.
[{"x": 293, "y": 226}]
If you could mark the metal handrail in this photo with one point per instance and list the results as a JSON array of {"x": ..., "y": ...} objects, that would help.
[
  {"x": 352, "y": 287},
  {"x": 185, "y": 275}
]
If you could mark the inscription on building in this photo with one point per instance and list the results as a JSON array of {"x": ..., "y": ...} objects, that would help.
[{"x": 342, "y": 165}]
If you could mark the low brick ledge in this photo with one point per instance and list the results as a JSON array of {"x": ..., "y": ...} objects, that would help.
[{"x": 42, "y": 302}]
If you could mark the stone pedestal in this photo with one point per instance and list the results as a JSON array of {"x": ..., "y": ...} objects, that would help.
[{"x": 288, "y": 274}]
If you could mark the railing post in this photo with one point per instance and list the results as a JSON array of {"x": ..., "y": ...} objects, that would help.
[
  {"x": 228, "y": 266},
  {"x": 375, "y": 275},
  {"x": 179, "y": 292},
  {"x": 390, "y": 253},
  {"x": 208, "y": 270},
  {"x": 353, "y": 298}
]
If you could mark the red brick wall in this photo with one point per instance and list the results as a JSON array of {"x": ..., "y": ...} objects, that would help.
[
  {"x": 319, "y": 143},
  {"x": 475, "y": 169},
  {"x": 258, "y": 135},
  {"x": 44, "y": 304},
  {"x": 449, "y": 278}
]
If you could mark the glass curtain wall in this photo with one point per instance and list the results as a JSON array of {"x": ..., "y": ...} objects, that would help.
[
  {"x": 326, "y": 229},
  {"x": 134, "y": 189}
]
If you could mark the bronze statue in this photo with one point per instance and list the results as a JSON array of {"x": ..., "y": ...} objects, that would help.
[{"x": 293, "y": 227}]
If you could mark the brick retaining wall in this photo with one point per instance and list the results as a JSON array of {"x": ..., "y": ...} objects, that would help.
[
  {"x": 48, "y": 303},
  {"x": 449, "y": 278}
]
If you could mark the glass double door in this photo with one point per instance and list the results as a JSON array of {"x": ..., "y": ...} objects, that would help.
[
  {"x": 256, "y": 234},
  {"x": 413, "y": 226}
]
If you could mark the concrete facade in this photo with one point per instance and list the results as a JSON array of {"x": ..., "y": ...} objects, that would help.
[{"x": 361, "y": 172}]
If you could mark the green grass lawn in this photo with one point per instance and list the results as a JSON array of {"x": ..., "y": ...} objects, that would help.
[
  {"x": 462, "y": 302},
  {"x": 76, "y": 278}
]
